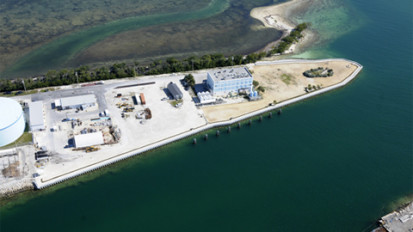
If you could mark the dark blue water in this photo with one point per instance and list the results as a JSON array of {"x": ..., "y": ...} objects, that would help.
[{"x": 332, "y": 163}]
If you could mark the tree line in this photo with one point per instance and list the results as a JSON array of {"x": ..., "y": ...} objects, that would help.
[
  {"x": 121, "y": 70},
  {"x": 287, "y": 41}
]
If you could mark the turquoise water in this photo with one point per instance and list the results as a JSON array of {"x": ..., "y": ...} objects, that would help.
[{"x": 332, "y": 163}]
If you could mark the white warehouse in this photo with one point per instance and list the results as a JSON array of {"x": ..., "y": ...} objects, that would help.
[
  {"x": 224, "y": 81},
  {"x": 87, "y": 140},
  {"x": 12, "y": 121},
  {"x": 36, "y": 116},
  {"x": 81, "y": 102}
]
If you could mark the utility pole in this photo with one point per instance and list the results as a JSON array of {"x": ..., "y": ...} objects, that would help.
[
  {"x": 24, "y": 86},
  {"x": 192, "y": 65},
  {"x": 77, "y": 77}
]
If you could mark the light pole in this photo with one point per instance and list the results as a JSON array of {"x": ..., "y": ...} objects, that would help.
[
  {"x": 77, "y": 77},
  {"x": 24, "y": 86}
]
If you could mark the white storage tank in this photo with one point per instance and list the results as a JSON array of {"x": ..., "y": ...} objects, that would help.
[{"x": 12, "y": 123}]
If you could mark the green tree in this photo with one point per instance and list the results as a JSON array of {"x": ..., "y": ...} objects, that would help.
[
  {"x": 255, "y": 83},
  {"x": 238, "y": 59},
  {"x": 301, "y": 27},
  {"x": 190, "y": 80}
]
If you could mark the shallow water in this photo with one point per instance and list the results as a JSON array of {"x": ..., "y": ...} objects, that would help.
[
  {"x": 58, "y": 52},
  {"x": 332, "y": 163},
  {"x": 222, "y": 26},
  {"x": 28, "y": 24}
]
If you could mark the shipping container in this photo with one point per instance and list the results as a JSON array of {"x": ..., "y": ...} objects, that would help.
[
  {"x": 142, "y": 97},
  {"x": 138, "y": 99}
]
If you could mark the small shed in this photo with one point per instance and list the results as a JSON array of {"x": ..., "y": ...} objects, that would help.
[
  {"x": 137, "y": 99},
  {"x": 142, "y": 97},
  {"x": 174, "y": 90}
]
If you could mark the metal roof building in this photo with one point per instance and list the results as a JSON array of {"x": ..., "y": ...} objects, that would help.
[
  {"x": 12, "y": 121},
  {"x": 82, "y": 101},
  {"x": 87, "y": 140},
  {"x": 174, "y": 90},
  {"x": 36, "y": 116}
]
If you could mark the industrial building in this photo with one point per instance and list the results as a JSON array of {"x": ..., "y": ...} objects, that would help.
[
  {"x": 12, "y": 121},
  {"x": 76, "y": 102},
  {"x": 175, "y": 92},
  {"x": 87, "y": 140},
  {"x": 224, "y": 81},
  {"x": 36, "y": 116},
  {"x": 205, "y": 97}
]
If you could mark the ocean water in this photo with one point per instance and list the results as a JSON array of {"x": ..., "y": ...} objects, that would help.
[{"x": 331, "y": 163}]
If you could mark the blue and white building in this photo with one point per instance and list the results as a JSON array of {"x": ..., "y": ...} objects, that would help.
[{"x": 224, "y": 81}]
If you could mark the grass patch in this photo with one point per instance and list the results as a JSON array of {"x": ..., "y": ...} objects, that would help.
[
  {"x": 26, "y": 138},
  {"x": 287, "y": 78},
  {"x": 17, "y": 93},
  {"x": 47, "y": 90},
  {"x": 174, "y": 103},
  {"x": 22, "y": 93}
]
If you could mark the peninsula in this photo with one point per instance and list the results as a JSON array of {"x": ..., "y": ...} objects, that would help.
[{"x": 83, "y": 127}]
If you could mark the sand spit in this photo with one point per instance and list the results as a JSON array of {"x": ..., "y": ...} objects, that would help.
[{"x": 280, "y": 17}]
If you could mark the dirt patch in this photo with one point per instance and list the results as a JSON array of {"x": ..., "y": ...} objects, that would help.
[{"x": 281, "y": 82}]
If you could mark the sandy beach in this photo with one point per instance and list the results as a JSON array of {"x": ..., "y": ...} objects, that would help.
[
  {"x": 285, "y": 81},
  {"x": 280, "y": 17}
]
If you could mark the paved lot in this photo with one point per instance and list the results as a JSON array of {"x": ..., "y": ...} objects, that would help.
[
  {"x": 24, "y": 158},
  {"x": 166, "y": 121},
  {"x": 399, "y": 221}
]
